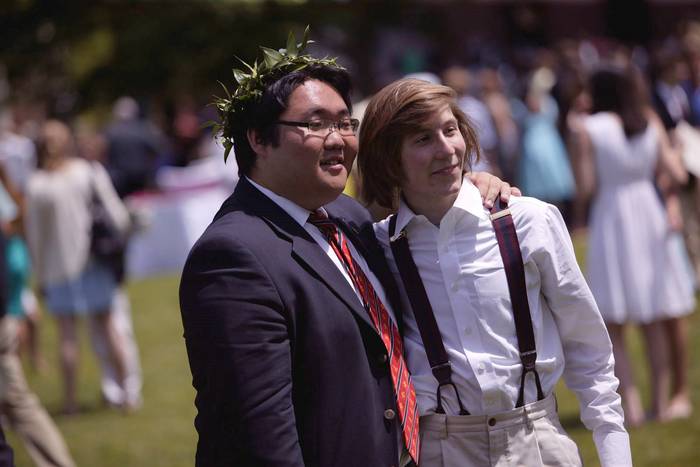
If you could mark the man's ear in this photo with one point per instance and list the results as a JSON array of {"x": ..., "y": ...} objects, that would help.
[{"x": 256, "y": 142}]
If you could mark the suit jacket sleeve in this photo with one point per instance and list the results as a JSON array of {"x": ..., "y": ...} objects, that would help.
[{"x": 239, "y": 347}]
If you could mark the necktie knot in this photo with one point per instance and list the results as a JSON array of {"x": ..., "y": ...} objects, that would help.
[
  {"x": 318, "y": 216},
  {"x": 325, "y": 225}
]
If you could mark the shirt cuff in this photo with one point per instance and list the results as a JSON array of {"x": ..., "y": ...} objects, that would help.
[{"x": 613, "y": 447}]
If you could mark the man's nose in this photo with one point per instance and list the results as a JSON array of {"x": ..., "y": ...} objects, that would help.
[{"x": 333, "y": 138}]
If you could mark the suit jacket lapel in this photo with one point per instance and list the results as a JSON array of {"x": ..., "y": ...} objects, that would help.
[
  {"x": 305, "y": 250},
  {"x": 310, "y": 254}
]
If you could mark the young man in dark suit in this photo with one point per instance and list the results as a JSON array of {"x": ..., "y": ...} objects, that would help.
[{"x": 290, "y": 327}]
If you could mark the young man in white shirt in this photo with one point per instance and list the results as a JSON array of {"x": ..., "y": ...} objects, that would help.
[{"x": 414, "y": 144}]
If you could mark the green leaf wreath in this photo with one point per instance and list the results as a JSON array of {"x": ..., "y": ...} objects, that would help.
[{"x": 251, "y": 82}]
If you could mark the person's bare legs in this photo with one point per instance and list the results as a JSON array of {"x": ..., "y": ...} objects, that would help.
[
  {"x": 68, "y": 349},
  {"x": 631, "y": 401},
  {"x": 29, "y": 342},
  {"x": 115, "y": 347},
  {"x": 32, "y": 322},
  {"x": 676, "y": 331},
  {"x": 659, "y": 372},
  {"x": 112, "y": 393}
]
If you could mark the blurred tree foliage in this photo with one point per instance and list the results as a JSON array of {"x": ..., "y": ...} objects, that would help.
[{"x": 81, "y": 54}]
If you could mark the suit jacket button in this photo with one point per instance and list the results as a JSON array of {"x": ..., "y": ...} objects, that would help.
[
  {"x": 383, "y": 358},
  {"x": 389, "y": 414}
]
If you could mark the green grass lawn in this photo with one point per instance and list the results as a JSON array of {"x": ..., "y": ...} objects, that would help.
[{"x": 162, "y": 433}]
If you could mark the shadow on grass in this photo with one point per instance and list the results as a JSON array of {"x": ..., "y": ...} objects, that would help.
[{"x": 83, "y": 409}]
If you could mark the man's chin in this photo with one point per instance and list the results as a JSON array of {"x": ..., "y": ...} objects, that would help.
[
  {"x": 332, "y": 191},
  {"x": 335, "y": 178}
]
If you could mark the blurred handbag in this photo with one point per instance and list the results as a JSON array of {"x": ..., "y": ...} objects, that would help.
[{"x": 107, "y": 242}]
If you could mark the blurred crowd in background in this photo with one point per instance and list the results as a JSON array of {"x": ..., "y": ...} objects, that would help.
[{"x": 147, "y": 158}]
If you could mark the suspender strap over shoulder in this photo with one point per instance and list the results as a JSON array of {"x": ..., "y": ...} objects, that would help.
[
  {"x": 423, "y": 312},
  {"x": 515, "y": 273}
]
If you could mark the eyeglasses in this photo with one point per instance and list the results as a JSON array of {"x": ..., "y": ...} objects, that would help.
[{"x": 322, "y": 127}]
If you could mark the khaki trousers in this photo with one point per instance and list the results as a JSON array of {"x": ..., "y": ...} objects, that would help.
[
  {"x": 26, "y": 415},
  {"x": 527, "y": 436}
]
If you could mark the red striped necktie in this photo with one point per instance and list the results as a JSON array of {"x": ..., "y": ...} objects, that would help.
[{"x": 403, "y": 386}]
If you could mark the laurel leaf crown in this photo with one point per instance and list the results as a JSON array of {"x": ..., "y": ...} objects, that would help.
[{"x": 253, "y": 79}]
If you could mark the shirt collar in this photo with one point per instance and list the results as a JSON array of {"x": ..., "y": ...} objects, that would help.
[
  {"x": 468, "y": 200},
  {"x": 296, "y": 212}
]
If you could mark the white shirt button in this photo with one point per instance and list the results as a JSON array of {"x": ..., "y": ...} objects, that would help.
[
  {"x": 467, "y": 331},
  {"x": 480, "y": 368}
]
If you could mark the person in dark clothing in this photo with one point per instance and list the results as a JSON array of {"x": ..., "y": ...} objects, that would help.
[{"x": 133, "y": 147}]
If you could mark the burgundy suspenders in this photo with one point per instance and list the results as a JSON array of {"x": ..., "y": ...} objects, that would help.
[
  {"x": 430, "y": 334},
  {"x": 515, "y": 274}
]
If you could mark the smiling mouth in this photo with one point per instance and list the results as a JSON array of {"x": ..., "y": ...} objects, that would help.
[
  {"x": 446, "y": 170},
  {"x": 333, "y": 161}
]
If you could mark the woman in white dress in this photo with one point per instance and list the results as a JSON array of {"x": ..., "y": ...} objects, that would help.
[{"x": 634, "y": 270}]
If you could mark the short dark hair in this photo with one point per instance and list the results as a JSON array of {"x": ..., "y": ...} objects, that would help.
[{"x": 261, "y": 114}]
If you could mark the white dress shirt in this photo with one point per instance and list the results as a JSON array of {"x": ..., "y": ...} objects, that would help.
[{"x": 462, "y": 270}]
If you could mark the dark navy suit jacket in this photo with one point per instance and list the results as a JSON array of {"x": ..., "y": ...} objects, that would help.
[{"x": 287, "y": 366}]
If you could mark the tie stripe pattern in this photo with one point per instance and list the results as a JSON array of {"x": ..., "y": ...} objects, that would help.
[{"x": 403, "y": 386}]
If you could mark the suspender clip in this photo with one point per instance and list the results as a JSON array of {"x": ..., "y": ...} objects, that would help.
[
  {"x": 499, "y": 214},
  {"x": 398, "y": 236},
  {"x": 528, "y": 360},
  {"x": 442, "y": 372}
]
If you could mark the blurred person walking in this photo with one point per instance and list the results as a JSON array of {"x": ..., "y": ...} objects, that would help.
[
  {"x": 499, "y": 105},
  {"x": 133, "y": 148},
  {"x": 544, "y": 170},
  {"x": 635, "y": 271},
  {"x": 673, "y": 105},
  {"x": 61, "y": 199},
  {"x": 461, "y": 81},
  {"x": 21, "y": 407},
  {"x": 18, "y": 162},
  {"x": 92, "y": 147}
]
